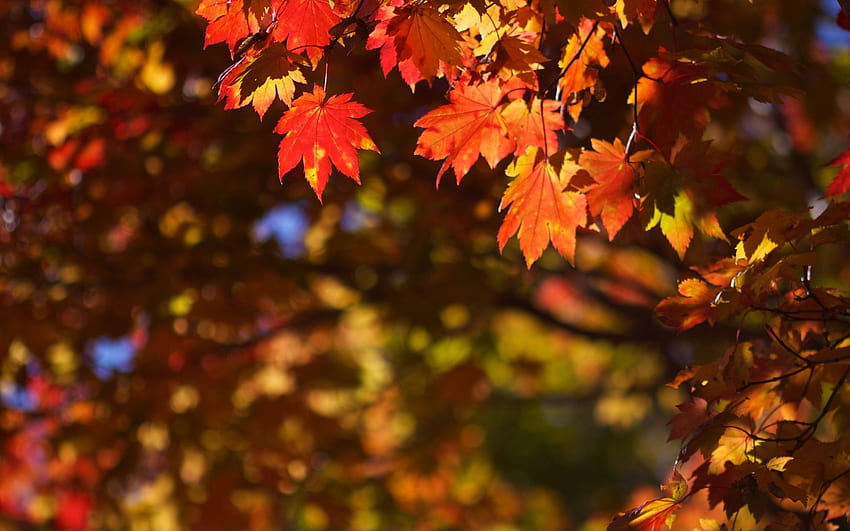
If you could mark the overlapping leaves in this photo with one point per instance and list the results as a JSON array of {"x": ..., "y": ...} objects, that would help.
[{"x": 491, "y": 56}]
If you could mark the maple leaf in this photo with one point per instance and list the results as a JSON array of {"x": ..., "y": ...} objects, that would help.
[
  {"x": 683, "y": 195},
  {"x": 226, "y": 22},
  {"x": 533, "y": 124},
  {"x": 733, "y": 447},
  {"x": 674, "y": 98},
  {"x": 469, "y": 126},
  {"x": 841, "y": 182},
  {"x": 692, "y": 307},
  {"x": 583, "y": 58},
  {"x": 691, "y": 416},
  {"x": 513, "y": 56},
  {"x": 657, "y": 514},
  {"x": 322, "y": 132},
  {"x": 417, "y": 39},
  {"x": 613, "y": 196},
  {"x": 261, "y": 78},
  {"x": 306, "y": 24},
  {"x": 767, "y": 233},
  {"x": 540, "y": 209},
  {"x": 730, "y": 66}
]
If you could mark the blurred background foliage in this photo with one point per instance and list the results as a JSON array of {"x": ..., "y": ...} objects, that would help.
[{"x": 190, "y": 345}]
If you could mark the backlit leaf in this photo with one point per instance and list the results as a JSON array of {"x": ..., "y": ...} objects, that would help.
[
  {"x": 540, "y": 209},
  {"x": 613, "y": 198},
  {"x": 468, "y": 127},
  {"x": 733, "y": 447},
  {"x": 674, "y": 98},
  {"x": 583, "y": 58},
  {"x": 692, "y": 307},
  {"x": 321, "y": 132},
  {"x": 262, "y": 78},
  {"x": 533, "y": 124},
  {"x": 418, "y": 39},
  {"x": 305, "y": 26},
  {"x": 226, "y": 22},
  {"x": 657, "y": 514}
]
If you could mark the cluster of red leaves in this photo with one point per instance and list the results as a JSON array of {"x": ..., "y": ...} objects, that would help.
[{"x": 490, "y": 55}]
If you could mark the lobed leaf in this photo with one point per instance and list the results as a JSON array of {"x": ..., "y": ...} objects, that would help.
[
  {"x": 469, "y": 126},
  {"x": 322, "y": 132},
  {"x": 540, "y": 209}
]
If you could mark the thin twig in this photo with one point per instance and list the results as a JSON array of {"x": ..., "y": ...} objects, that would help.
[
  {"x": 774, "y": 379},
  {"x": 636, "y": 75},
  {"x": 784, "y": 345}
]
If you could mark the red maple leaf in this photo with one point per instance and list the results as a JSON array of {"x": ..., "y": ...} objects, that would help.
[
  {"x": 841, "y": 182},
  {"x": 226, "y": 22},
  {"x": 417, "y": 39},
  {"x": 321, "y": 132},
  {"x": 674, "y": 97},
  {"x": 540, "y": 209},
  {"x": 469, "y": 126},
  {"x": 613, "y": 196},
  {"x": 306, "y": 24}
]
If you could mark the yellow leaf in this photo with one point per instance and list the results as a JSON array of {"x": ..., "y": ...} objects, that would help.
[
  {"x": 732, "y": 447},
  {"x": 779, "y": 463}
]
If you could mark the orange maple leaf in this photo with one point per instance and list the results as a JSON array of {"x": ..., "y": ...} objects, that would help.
[
  {"x": 613, "y": 196},
  {"x": 320, "y": 132},
  {"x": 693, "y": 305},
  {"x": 469, "y": 126},
  {"x": 417, "y": 39},
  {"x": 306, "y": 24},
  {"x": 584, "y": 57},
  {"x": 533, "y": 124},
  {"x": 514, "y": 56},
  {"x": 261, "y": 78},
  {"x": 540, "y": 209}
]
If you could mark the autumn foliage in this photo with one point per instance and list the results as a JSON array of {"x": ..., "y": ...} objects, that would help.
[{"x": 192, "y": 341}]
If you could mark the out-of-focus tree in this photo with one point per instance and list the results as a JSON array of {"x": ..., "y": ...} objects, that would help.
[{"x": 189, "y": 344}]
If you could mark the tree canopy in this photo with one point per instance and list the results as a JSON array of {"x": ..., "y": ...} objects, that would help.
[{"x": 430, "y": 265}]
